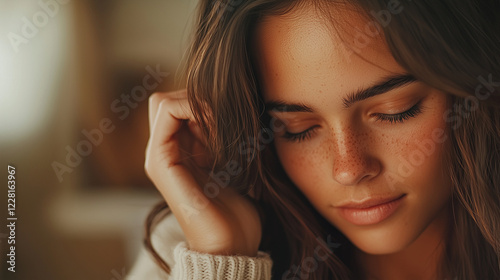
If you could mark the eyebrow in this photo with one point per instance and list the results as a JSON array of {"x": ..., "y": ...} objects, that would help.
[{"x": 386, "y": 85}]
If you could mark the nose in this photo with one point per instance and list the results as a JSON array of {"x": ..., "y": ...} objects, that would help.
[{"x": 352, "y": 162}]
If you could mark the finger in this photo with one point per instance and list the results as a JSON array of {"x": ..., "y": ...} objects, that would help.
[
  {"x": 156, "y": 98},
  {"x": 168, "y": 118},
  {"x": 176, "y": 182},
  {"x": 183, "y": 193}
]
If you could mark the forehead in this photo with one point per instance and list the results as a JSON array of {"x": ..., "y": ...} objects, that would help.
[{"x": 306, "y": 50}]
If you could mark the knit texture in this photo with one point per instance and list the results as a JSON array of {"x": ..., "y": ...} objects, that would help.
[
  {"x": 193, "y": 265},
  {"x": 169, "y": 241}
]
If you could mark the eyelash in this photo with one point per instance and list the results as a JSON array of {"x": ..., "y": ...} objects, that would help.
[
  {"x": 297, "y": 137},
  {"x": 401, "y": 117},
  {"x": 391, "y": 118}
]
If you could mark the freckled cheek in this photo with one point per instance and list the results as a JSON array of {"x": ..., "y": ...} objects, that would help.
[
  {"x": 304, "y": 165},
  {"x": 418, "y": 157}
]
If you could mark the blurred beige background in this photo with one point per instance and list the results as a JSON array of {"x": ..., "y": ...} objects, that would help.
[{"x": 74, "y": 80}]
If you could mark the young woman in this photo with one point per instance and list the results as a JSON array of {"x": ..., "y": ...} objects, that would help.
[{"x": 331, "y": 140}]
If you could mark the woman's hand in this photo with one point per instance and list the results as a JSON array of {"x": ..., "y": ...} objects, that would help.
[{"x": 177, "y": 163}]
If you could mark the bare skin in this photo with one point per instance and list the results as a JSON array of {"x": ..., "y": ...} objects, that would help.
[
  {"x": 222, "y": 224},
  {"x": 345, "y": 157},
  {"x": 337, "y": 154}
]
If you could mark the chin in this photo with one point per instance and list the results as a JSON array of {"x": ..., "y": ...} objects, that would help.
[
  {"x": 390, "y": 236},
  {"x": 381, "y": 241}
]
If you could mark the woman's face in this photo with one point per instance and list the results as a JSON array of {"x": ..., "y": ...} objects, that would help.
[{"x": 360, "y": 138}]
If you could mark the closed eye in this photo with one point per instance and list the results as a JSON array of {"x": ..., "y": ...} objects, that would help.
[
  {"x": 400, "y": 117},
  {"x": 297, "y": 137},
  {"x": 390, "y": 118}
]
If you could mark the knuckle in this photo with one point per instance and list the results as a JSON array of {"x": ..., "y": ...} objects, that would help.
[
  {"x": 166, "y": 104},
  {"x": 155, "y": 98},
  {"x": 147, "y": 168}
]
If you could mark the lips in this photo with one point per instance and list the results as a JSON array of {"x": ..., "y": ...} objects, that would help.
[
  {"x": 367, "y": 203},
  {"x": 371, "y": 211}
]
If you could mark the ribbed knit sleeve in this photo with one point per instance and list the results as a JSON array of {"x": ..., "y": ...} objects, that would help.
[
  {"x": 192, "y": 265},
  {"x": 170, "y": 243}
]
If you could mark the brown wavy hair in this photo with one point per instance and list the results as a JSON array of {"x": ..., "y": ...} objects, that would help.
[{"x": 451, "y": 45}]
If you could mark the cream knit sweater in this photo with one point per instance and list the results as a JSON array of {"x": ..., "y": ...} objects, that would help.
[{"x": 169, "y": 241}]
